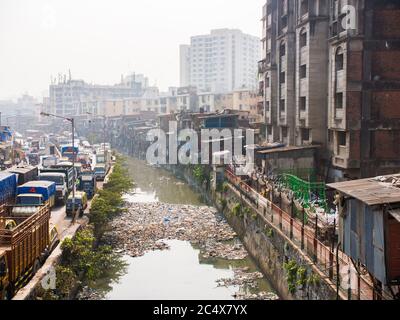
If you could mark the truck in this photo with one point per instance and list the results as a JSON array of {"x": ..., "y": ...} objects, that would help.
[
  {"x": 100, "y": 171},
  {"x": 25, "y": 173},
  {"x": 24, "y": 246},
  {"x": 68, "y": 171},
  {"x": 60, "y": 180},
  {"x": 8, "y": 187},
  {"x": 49, "y": 161},
  {"x": 34, "y": 194},
  {"x": 87, "y": 183},
  {"x": 69, "y": 152}
]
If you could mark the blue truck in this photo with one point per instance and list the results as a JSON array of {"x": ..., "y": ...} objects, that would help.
[
  {"x": 34, "y": 194},
  {"x": 87, "y": 183},
  {"x": 8, "y": 187}
]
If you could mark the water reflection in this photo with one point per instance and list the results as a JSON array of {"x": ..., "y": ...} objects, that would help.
[{"x": 179, "y": 273}]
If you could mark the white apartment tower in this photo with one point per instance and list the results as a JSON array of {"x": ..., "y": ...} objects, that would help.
[{"x": 222, "y": 61}]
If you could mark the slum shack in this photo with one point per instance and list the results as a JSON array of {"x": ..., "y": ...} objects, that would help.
[{"x": 369, "y": 211}]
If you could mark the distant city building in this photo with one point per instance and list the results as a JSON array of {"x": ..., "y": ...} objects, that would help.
[
  {"x": 184, "y": 67},
  {"x": 66, "y": 95},
  {"x": 222, "y": 61}
]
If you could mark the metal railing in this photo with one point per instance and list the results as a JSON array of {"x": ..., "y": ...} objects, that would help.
[{"x": 329, "y": 259}]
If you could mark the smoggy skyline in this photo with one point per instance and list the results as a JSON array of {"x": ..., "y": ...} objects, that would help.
[{"x": 100, "y": 40}]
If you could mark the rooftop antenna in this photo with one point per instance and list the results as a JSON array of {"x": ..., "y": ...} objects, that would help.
[{"x": 70, "y": 76}]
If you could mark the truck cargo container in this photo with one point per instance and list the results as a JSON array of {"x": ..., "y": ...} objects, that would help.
[
  {"x": 36, "y": 193},
  {"x": 8, "y": 187},
  {"x": 24, "y": 245},
  {"x": 25, "y": 174}
]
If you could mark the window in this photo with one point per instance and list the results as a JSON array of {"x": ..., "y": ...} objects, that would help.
[
  {"x": 330, "y": 136},
  {"x": 282, "y": 49},
  {"x": 304, "y": 7},
  {"x": 339, "y": 59},
  {"x": 282, "y": 105},
  {"x": 303, "y": 71},
  {"x": 339, "y": 100},
  {"x": 267, "y": 106},
  {"x": 341, "y": 136},
  {"x": 303, "y": 38},
  {"x": 284, "y": 132},
  {"x": 269, "y": 130},
  {"x": 267, "y": 82},
  {"x": 282, "y": 77},
  {"x": 303, "y": 103},
  {"x": 305, "y": 134},
  {"x": 284, "y": 21}
]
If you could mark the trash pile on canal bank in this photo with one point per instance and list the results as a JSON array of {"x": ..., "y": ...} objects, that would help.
[
  {"x": 145, "y": 225},
  {"x": 242, "y": 277}
]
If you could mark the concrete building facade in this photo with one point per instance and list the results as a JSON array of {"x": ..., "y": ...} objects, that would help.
[{"x": 329, "y": 76}]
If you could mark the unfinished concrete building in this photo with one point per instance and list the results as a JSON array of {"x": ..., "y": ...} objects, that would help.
[{"x": 330, "y": 77}]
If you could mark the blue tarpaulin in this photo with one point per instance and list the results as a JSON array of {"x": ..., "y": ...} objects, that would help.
[{"x": 8, "y": 186}]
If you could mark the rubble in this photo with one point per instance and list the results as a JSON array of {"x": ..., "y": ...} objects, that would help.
[
  {"x": 145, "y": 225},
  {"x": 255, "y": 296},
  {"x": 241, "y": 277}
]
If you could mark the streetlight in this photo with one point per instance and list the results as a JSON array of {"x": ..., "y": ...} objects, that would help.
[{"x": 72, "y": 121}]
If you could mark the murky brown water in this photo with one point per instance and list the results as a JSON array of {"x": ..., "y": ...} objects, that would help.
[{"x": 180, "y": 272}]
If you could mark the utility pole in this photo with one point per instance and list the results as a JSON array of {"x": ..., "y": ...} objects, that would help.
[
  {"x": 73, "y": 174},
  {"x": 72, "y": 121}
]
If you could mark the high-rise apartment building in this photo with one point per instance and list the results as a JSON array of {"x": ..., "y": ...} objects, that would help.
[
  {"x": 329, "y": 76},
  {"x": 222, "y": 61}
]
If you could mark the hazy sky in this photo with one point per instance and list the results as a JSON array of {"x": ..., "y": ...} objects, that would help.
[{"x": 101, "y": 39}]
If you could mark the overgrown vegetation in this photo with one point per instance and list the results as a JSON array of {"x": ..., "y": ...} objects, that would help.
[{"x": 84, "y": 259}]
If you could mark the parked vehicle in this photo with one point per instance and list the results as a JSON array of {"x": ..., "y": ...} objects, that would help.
[
  {"x": 25, "y": 174},
  {"x": 87, "y": 183},
  {"x": 8, "y": 187},
  {"x": 23, "y": 247},
  {"x": 81, "y": 203},
  {"x": 34, "y": 194},
  {"x": 60, "y": 180}
]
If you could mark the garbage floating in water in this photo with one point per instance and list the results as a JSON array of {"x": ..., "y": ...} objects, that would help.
[{"x": 145, "y": 225}]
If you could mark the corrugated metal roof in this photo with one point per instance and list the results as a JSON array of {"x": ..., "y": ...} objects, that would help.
[
  {"x": 395, "y": 214},
  {"x": 370, "y": 191}
]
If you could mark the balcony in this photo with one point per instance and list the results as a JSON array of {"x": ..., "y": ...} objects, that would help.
[{"x": 262, "y": 66}]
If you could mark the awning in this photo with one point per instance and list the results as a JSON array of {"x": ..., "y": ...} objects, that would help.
[{"x": 396, "y": 214}]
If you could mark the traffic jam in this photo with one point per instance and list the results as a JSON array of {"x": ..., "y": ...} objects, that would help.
[{"x": 49, "y": 189}]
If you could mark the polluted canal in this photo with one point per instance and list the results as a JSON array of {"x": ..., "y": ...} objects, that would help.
[{"x": 175, "y": 247}]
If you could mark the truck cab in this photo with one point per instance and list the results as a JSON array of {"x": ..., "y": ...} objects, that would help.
[
  {"x": 100, "y": 171},
  {"x": 81, "y": 203},
  {"x": 61, "y": 184}
]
